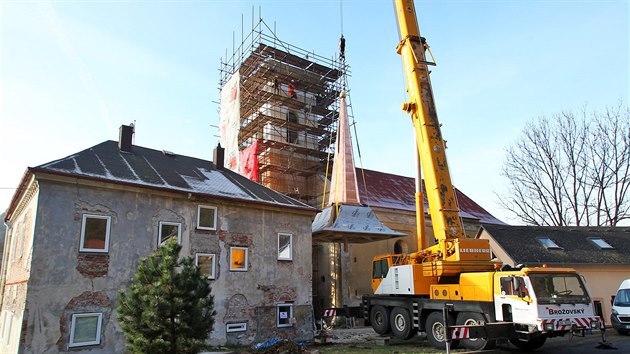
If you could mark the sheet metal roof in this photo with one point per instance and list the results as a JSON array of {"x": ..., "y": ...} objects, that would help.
[
  {"x": 353, "y": 224},
  {"x": 150, "y": 168},
  {"x": 521, "y": 243},
  {"x": 391, "y": 191}
]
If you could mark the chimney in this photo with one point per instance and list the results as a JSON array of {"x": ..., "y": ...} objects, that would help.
[
  {"x": 125, "y": 137},
  {"x": 219, "y": 156}
]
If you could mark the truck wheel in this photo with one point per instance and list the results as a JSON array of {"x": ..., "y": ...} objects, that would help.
[
  {"x": 436, "y": 332},
  {"x": 379, "y": 318},
  {"x": 401, "y": 323},
  {"x": 529, "y": 345},
  {"x": 473, "y": 318}
]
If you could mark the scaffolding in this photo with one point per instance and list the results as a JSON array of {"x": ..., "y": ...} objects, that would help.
[{"x": 289, "y": 104}]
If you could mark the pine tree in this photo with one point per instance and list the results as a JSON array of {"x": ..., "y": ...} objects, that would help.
[{"x": 168, "y": 307}]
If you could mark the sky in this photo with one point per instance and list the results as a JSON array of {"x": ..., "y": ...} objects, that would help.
[{"x": 72, "y": 72}]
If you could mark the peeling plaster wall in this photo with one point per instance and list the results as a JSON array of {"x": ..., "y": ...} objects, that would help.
[
  {"x": 18, "y": 266},
  {"x": 65, "y": 281}
]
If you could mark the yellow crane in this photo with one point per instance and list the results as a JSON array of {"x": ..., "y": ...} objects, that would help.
[{"x": 453, "y": 281}]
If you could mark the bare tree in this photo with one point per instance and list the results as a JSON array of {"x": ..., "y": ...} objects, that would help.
[{"x": 571, "y": 169}]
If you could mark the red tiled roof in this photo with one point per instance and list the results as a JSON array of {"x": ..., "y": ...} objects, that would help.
[{"x": 391, "y": 191}]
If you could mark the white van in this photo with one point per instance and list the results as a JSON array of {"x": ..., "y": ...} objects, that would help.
[{"x": 620, "y": 316}]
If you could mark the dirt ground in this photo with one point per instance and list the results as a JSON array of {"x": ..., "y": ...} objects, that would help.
[{"x": 363, "y": 340}]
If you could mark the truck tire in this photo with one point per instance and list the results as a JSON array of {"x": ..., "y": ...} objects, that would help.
[
  {"x": 473, "y": 318},
  {"x": 529, "y": 345},
  {"x": 436, "y": 334},
  {"x": 379, "y": 318},
  {"x": 401, "y": 324}
]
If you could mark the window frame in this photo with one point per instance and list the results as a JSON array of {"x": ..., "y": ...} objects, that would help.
[
  {"x": 213, "y": 274},
  {"x": 82, "y": 248},
  {"x": 600, "y": 243},
  {"x": 289, "y": 317},
  {"x": 246, "y": 262},
  {"x": 290, "y": 257},
  {"x": 169, "y": 223},
  {"x": 549, "y": 244},
  {"x": 211, "y": 228},
  {"x": 236, "y": 327},
  {"x": 99, "y": 325}
]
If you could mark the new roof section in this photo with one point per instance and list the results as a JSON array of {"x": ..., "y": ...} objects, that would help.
[
  {"x": 521, "y": 243},
  {"x": 143, "y": 167},
  {"x": 391, "y": 191}
]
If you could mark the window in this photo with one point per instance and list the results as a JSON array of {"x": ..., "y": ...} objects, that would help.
[
  {"x": 85, "y": 329},
  {"x": 513, "y": 286},
  {"x": 380, "y": 268},
  {"x": 285, "y": 247},
  {"x": 206, "y": 264},
  {"x": 600, "y": 243},
  {"x": 284, "y": 315},
  {"x": 168, "y": 230},
  {"x": 236, "y": 327},
  {"x": 95, "y": 233},
  {"x": 292, "y": 117},
  {"x": 549, "y": 244},
  {"x": 206, "y": 218},
  {"x": 238, "y": 259},
  {"x": 292, "y": 136}
]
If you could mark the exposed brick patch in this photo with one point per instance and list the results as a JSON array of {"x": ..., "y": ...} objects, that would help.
[
  {"x": 274, "y": 294},
  {"x": 93, "y": 265},
  {"x": 240, "y": 239},
  {"x": 87, "y": 301}
]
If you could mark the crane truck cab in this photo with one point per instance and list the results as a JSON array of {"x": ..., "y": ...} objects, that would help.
[
  {"x": 620, "y": 317},
  {"x": 542, "y": 303}
]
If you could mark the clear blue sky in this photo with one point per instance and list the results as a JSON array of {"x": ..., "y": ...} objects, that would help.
[{"x": 73, "y": 71}]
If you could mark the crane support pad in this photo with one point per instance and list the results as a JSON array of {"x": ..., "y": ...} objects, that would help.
[{"x": 503, "y": 330}]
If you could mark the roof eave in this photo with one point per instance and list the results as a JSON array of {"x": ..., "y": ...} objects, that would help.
[
  {"x": 26, "y": 177},
  {"x": 171, "y": 190}
]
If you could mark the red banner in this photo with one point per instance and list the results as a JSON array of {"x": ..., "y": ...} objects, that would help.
[{"x": 249, "y": 162}]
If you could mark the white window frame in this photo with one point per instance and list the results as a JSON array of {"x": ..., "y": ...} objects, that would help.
[
  {"x": 213, "y": 272},
  {"x": 212, "y": 228},
  {"x": 290, "y": 257},
  {"x": 601, "y": 243},
  {"x": 549, "y": 244},
  {"x": 246, "y": 266},
  {"x": 236, "y": 327},
  {"x": 107, "y": 232},
  {"x": 289, "y": 318},
  {"x": 99, "y": 315},
  {"x": 179, "y": 231}
]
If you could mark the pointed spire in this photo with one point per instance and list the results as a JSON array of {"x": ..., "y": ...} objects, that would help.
[{"x": 343, "y": 187}]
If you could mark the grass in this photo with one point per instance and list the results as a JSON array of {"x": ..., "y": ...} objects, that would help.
[{"x": 377, "y": 349}]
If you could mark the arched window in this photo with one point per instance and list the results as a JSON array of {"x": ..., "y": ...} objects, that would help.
[{"x": 400, "y": 247}]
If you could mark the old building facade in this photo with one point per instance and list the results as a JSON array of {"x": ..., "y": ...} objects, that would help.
[{"x": 79, "y": 226}]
